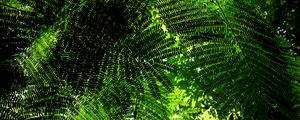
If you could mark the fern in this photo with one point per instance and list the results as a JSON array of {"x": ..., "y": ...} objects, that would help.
[
  {"x": 239, "y": 60},
  {"x": 115, "y": 59},
  {"x": 132, "y": 51},
  {"x": 242, "y": 67}
]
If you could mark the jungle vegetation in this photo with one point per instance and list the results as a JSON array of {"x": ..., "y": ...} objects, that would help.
[{"x": 150, "y": 59}]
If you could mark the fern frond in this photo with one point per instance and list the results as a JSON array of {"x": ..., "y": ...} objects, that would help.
[{"x": 241, "y": 70}]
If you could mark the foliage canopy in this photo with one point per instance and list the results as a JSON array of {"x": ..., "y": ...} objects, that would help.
[{"x": 149, "y": 59}]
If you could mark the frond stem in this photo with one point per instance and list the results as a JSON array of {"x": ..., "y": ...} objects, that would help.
[
  {"x": 227, "y": 21},
  {"x": 135, "y": 109}
]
